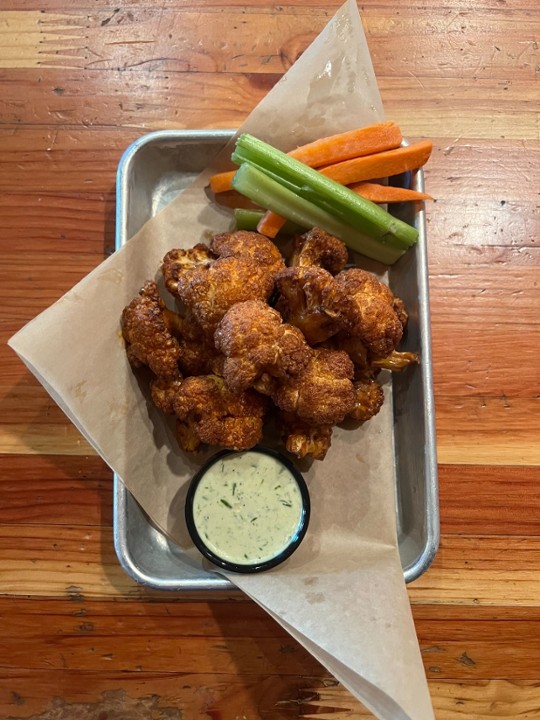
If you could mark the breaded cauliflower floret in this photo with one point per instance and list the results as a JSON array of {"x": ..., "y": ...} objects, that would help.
[
  {"x": 145, "y": 329},
  {"x": 380, "y": 328},
  {"x": 369, "y": 399},
  {"x": 197, "y": 351},
  {"x": 319, "y": 248},
  {"x": 208, "y": 412},
  {"x": 400, "y": 310},
  {"x": 322, "y": 393},
  {"x": 305, "y": 440},
  {"x": 255, "y": 340},
  {"x": 311, "y": 300},
  {"x": 164, "y": 391},
  {"x": 209, "y": 291},
  {"x": 244, "y": 243},
  {"x": 353, "y": 346},
  {"x": 178, "y": 261}
]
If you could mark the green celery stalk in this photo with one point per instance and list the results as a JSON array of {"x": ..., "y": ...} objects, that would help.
[
  {"x": 351, "y": 218},
  {"x": 246, "y": 219},
  {"x": 337, "y": 199},
  {"x": 268, "y": 193}
]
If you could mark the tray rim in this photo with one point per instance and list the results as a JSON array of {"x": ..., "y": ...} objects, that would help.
[{"x": 120, "y": 493}]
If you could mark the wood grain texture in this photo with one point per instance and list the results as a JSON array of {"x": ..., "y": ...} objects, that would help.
[{"x": 80, "y": 81}]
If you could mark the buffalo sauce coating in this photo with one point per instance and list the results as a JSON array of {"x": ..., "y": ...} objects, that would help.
[{"x": 247, "y": 508}]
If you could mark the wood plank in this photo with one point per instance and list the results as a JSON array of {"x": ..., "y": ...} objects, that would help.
[
  {"x": 128, "y": 99},
  {"x": 50, "y": 560},
  {"x": 457, "y": 236},
  {"x": 241, "y": 618},
  {"x": 487, "y": 377},
  {"x": 497, "y": 438},
  {"x": 166, "y": 618},
  {"x": 61, "y": 439},
  {"x": 30, "y": 404},
  {"x": 56, "y": 490},
  {"x": 243, "y": 656},
  {"x": 274, "y": 697},
  {"x": 450, "y": 8},
  {"x": 494, "y": 295},
  {"x": 465, "y": 700},
  {"x": 52, "y": 224},
  {"x": 94, "y": 98},
  {"x": 472, "y": 168},
  {"x": 171, "y": 40},
  {"x": 99, "y": 150},
  {"x": 430, "y": 616},
  {"x": 482, "y": 570},
  {"x": 498, "y": 431},
  {"x": 500, "y": 500},
  {"x": 173, "y": 613},
  {"x": 166, "y": 696},
  {"x": 214, "y": 640},
  {"x": 457, "y": 444}
]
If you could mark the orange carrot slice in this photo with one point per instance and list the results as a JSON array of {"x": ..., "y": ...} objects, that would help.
[
  {"x": 333, "y": 149},
  {"x": 383, "y": 164},
  {"x": 221, "y": 182},
  {"x": 351, "y": 144},
  {"x": 387, "y": 193},
  {"x": 270, "y": 224}
]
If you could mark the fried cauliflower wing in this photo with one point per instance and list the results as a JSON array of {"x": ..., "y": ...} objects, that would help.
[
  {"x": 305, "y": 440},
  {"x": 145, "y": 326},
  {"x": 208, "y": 412},
  {"x": 311, "y": 299},
  {"x": 354, "y": 348},
  {"x": 255, "y": 340},
  {"x": 369, "y": 399},
  {"x": 379, "y": 327},
  {"x": 247, "y": 244},
  {"x": 164, "y": 391},
  {"x": 198, "y": 355},
  {"x": 322, "y": 393},
  {"x": 208, "y": 291},
  {"x": 178, "y": 261},
  {"x": 319, "y": 248}
]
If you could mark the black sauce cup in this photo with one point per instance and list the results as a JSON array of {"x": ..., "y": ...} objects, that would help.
[{"x": 287, "y": 550}]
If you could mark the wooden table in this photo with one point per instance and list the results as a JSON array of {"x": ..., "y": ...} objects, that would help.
[{"x": 80, "y": 80}]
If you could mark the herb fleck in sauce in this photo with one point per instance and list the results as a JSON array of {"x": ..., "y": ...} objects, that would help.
[{"x": 247, "y": 507}]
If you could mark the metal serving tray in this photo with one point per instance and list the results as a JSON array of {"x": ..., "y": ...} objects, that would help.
[{"x": 154, "y": 170}]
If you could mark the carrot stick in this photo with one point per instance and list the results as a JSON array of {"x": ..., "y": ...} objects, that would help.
[
  {"x": 383, "y": 164},
  {"x": 350, "y": 172},
  {"x": 387, "y": 193},
  {"x": 354, "y": 143},
  {"x": 221, "y": 182},
  {"x": 270, "y": 224},
  {"x": 333, "y": 149}
]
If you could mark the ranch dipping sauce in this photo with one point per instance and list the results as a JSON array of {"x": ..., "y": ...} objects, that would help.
[{"x": 249, "y": 510}]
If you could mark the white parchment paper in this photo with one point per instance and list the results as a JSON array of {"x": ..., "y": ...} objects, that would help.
[{"x": 342, "y": 594}]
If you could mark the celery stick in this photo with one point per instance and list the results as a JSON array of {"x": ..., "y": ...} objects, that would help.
[
  {"x": 320, "y": 201},
  {"x": 266, "y": 192},
  {"x": 247, "y": 219},
  {"x": 355, "y": 210}
]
